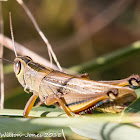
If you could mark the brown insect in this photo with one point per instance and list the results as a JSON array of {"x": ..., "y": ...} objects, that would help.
[{"x": 74, "y": 94}]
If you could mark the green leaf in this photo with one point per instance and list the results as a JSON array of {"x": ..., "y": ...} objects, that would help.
[
  {"x": 91, "y": 126},
  {"x": 23, "y": 125},
  {"x": 135, "y": 106},
  {"x": 107, "y": 131},
  {"x": 35, "y": 112}
]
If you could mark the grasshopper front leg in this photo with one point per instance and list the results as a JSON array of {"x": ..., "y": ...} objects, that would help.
[{"x": 29, "y": 105}]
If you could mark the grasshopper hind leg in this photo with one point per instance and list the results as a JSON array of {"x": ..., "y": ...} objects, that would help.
[{"x": 134, "y": 81}]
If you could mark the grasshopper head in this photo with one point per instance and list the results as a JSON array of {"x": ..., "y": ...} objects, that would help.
[{"x": 20, "y": 63}]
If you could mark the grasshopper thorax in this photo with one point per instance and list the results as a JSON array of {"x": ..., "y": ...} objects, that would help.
[{"x": 20, "y": 63}]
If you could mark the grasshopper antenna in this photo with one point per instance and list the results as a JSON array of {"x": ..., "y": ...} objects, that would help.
[
  {"x": 50, "y": 50},
  {"x": 7, "y": 60},
  {"x": 12, "y": 35}
]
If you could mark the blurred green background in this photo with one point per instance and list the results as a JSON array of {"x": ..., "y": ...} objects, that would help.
[{"x": 78, "y": 33}]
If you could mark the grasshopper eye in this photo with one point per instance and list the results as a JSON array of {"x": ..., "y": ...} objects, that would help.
[{"x": 17, "y": 67}]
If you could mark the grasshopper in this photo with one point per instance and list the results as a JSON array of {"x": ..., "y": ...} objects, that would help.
[{"x": 74, "y": 94}]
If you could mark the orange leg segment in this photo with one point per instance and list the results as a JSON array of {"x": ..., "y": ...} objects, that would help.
[
  {"x": 63, "y": 106},
  {"x": 29, "y": 105},
  {"x": 54, "y": 98}
]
